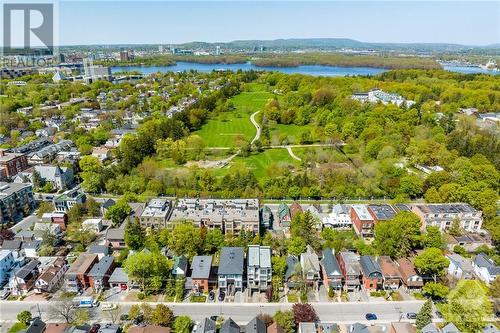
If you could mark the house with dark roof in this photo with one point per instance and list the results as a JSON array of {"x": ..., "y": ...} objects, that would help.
[
  {"x": 292, "y": 269},
  {"x": 330, "y": 268},
  {"x": 207, "y": 325},
  {"x": 201, "y": 273},
  {"x": 100, "y": 250},
  {"x": 390, "y": 273},
  {"x": 100, "y": 273},
  {"x": 372, "y": 273},
  {"x": 284, "y": 216},
  {"x": 256, "y": 325},
  {"x": 36, "y": 326},
  {"x": 115, "y": 237},
  {"x": 351, "y": 270},
  {"x": 180, "y": 266},
  {"x": 381, "y": 212},
  {"x": 412, "y": 281},
  {"x": 229, "y": 326},
  {"x": 266, "y": 217},
  {"x": 430, "y": 328},
  {"x": 231, "y": 269},
  {"x": 485, "y": 268},
  {"x": 24, "y": 278},
  {"x": 450, "y": 328}
]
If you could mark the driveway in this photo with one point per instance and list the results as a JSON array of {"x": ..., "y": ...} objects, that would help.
[{"x": 323, "y": 294}]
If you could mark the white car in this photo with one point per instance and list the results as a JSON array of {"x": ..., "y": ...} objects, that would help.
[{"x": 108, "y": 307}]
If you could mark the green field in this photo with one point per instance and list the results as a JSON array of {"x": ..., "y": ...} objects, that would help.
[
  {"x": 259, "y": 163},
  {"x": 224, "y": 129},
  {"x": 291, "y": 132}
]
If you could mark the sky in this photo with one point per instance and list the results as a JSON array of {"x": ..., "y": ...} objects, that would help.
[{"x": 165, "y": 22}]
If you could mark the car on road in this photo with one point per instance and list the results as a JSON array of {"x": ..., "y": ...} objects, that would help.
[
  {"x": 4, "y": 293},
  {"x": 124, "y": 317},
  {"x": 108, "y": 307},
  {"x": 411, "y": 315},
  {"x": 221, "y": 297},
  {"x": 211, "y": 295},
  {"x": 371, "y": 316}
]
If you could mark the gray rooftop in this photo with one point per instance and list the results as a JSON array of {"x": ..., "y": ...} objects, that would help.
[
  {"x": 259, "y": 256},
  {"x": 482, "y": 260},
  {"x": 229, "y": 326},
  {"x": 330, "y": 263},
  {"x": 362, "y": 212},
  {"x": 7, "y": 189},
  {"x": 118, "y": 275},
  {"x": 207, "y": 325},
  {"x": 370, "y": 266},
  {"x": 256, "y": 325},
  {"x": 382, "y": 212},
  {"x": 231, "y": 261},
  {"x": 101, "y": 268},
  {"x": 200, "y": 267}
]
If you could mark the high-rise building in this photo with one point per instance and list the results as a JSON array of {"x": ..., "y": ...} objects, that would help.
[{"x": 124, "y": 56}]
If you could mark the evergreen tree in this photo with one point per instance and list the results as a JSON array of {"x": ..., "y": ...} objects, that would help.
[{"x": 424, "y": 317}]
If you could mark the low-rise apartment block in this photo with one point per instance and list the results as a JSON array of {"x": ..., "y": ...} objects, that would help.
[
  {"x": 15, "y": 201},
  {"x": 230, "y": 272},
  {"x": 156, "y": 213},
  {"x": 230, "y": 216},
  {"x": 68, "y": 199},
  {"x": 11, "y": 164},
  {"x": 259, "y": 271},
  {"x": 362, "y": 220},
  {"x": 443, "y": 215}
]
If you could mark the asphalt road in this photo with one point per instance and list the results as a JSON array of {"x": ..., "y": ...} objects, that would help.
[{"x": 241, "y": 313}]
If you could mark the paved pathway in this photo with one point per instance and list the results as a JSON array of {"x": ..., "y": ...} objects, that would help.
[
  {"x": 290, "y": 151},
  {"x": 257, "y": 127}
]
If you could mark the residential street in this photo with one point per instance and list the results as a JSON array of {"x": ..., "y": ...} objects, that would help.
[{"x": 242, "y": 313}]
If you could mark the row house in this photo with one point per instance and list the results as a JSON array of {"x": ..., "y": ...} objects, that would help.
[
  {"x": 412, "y": 281},
  {"x": 332, "y": 274},
  {"x": 351, "y": 270},
  {"x": 51, "y": 278},
  {"x": 99, "y": 274},
  {"x": 309, "y": 263},
  {"x": 201, "y": 273},
  {"x": 259, "y": 270},
  {"x": 24, "y": 278},
  {"x": 460, "y": 267},
  {"x": 390, "y": 273},
  {"x": 443, "y": 215},
  {"x": 230, "y": 216},
  {"x": 362, "y": 221},
  {"x": 77, "y": 277},
  {"x": 371, "y": 273},
  {"x": 230, "y": 271},
  {"x": 156, "y": 214}
]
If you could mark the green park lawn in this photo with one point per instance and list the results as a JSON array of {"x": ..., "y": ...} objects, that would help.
[
  {"x": 258, "y": 163},
  {"x": 224, "y": 129}
]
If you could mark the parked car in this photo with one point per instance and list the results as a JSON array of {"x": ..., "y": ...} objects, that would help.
[
  {"x": 124, "y": 317},
  {"x": 211, "y": 295},
  {"x": 214, "y": 318},
  {"x": 95, "y": 328},
  {"x": 4, "y": 293},
  {"x": 138, "y": 320},
  {"x": 371, "y": 316},
  {"x": 411, "y": 315},
  {"x": 109, "y": 307},
  {"x": 222, "y": 295}
]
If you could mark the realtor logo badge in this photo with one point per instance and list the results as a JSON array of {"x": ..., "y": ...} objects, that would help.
[{"x": 28, "y": 29}]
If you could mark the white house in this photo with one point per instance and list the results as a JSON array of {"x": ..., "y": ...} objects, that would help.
[
  {"x": 40, "y": 228},
  {"x": 94, "y": 225},
  {"x": 460, "y": 267},
  {"x": 485, "y": 269},
  {"x": 339, "y": 218},
  {"x": 51, "y": 277}
]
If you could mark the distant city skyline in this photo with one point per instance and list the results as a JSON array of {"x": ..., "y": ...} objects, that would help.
[{"x": 474, "y": 23}]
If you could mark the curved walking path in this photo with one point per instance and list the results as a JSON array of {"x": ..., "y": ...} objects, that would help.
[
  {"x": 257, "y": 127},
  {"x": 292, "y": 154}
]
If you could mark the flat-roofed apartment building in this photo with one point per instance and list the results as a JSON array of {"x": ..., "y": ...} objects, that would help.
[
  {"x": 15, "y": 201},
  {"x": 156, "y": 213},
  {"x": 442, "y": 216},
  {"x": 259, "y": 271},
  {"x": 229, "y": 215},
  {"x": 362, "y": 220}
]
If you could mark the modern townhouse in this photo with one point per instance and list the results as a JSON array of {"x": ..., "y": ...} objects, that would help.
[
  {"x": 351, "y": 270},
  {"x": 390, "y": 273},
  {"x": 259, "y": 271},
  {"x": 309, "y": 262},
  {"x": 68, "y": 199},
  {"x": 76, "y": 278},
  {"x": 339, "y": 218},
  {"x": 16, "y": 200},
  {"x": 201, "y": 273},
  {"x": 362, "y": 221},
  {"x": 460, "y": 267},
  {"x": 372, "y": 273},
  {"x": 330, "y": 268},
  {"x": 469, "y": 241},
  {"x": 57, "y": 218},
  {"x": 412, "y": 281},
  {"x": 156, "y": 213},
  {"x": 443, "y": 215},
  {"x": 51, "y": 277},
  {"x": 23, "y": 280},
  {"x": 94, "y": 225},
  {"x": 485, "y": 268},
  {"x": 48, "y": 153},
  {"x": 99, "y": 274},
  {"x": 228, "y": 215},
  {"x": 381, "y": 212},
  {"x": 231, "y": 269}
]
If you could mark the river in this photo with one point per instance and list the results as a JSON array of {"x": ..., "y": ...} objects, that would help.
[{"x": 314, "y": 70}]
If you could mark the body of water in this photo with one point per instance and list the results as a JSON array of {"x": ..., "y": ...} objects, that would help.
[{"x": 315, "y": 70}]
